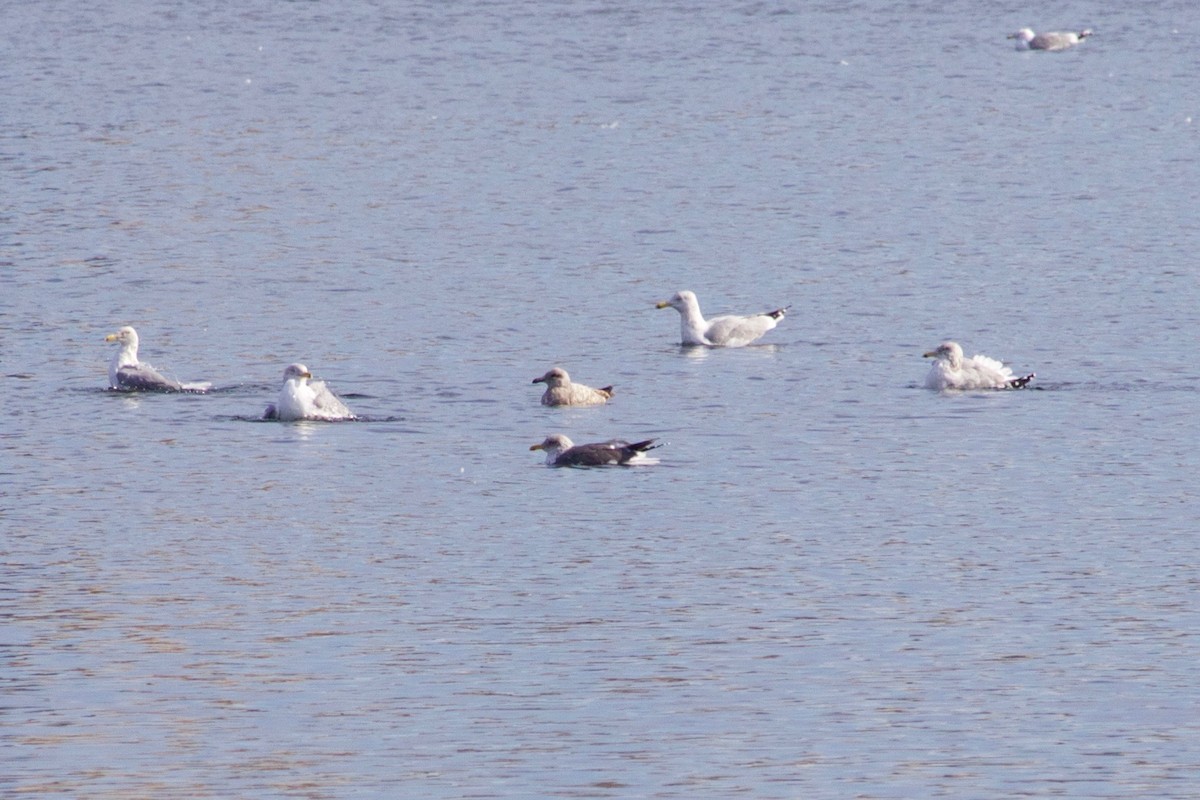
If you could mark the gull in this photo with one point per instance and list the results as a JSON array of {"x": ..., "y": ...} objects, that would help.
[
  {"x": 300, "y": 399},
  {"x": 127, "y": 374},
  {"x": 1056, "y": 40},
  {"x": 562, "y": 452},
  {"x": 951, "y": 371},
  {"x": 561, "y": 392},
  {"x": 723, "y": 331}
]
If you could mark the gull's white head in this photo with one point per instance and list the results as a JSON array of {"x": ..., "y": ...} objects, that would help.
[
  {"x": 679, "y": 301},
  {"x": 127, "y": 336},
  {"x": 554, "y": 378},
  {"x": 1025, "y": 35},
  {"x": 296, "y": 372},
  {"x": 947, "y": 351},
  {"x": 553, "y": 445}
]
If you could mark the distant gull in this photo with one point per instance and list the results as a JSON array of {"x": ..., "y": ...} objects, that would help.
[
  {"x": 1057, "y": 40},
  {"x": 951, "y": 371},
  {"x": 723, "y": 331},
  {"x": 300, "y": 399},
  {"x": 562, "y": 452},
  {"x": 127, "y": 374},
  {"x": 561, "y": 392}
]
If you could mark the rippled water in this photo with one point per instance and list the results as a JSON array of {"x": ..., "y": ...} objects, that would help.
[{"x": 835, "y": 585}]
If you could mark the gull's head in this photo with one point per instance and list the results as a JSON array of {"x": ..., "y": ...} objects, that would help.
[
  {"x": 1024, "y": 35},
  {"x": 126, "y": 336},
  {"x": 555, "y": 377},
  {"x": 679, "y": 300},
  {"x": 947, "y": 351},
  {"x": 296, "y": 372},
  {"x": 553, "y": 445},
  {"x": 1086, "y": 32}
]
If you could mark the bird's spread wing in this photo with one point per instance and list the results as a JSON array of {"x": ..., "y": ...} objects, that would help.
[{"x": 327, "y": 402}]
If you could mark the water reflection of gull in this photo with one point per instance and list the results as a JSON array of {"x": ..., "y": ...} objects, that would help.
[{"x": 700, "y": 353}]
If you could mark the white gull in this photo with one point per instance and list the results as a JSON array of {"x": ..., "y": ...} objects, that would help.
[
  {"x": 951, "y": 371},
  {"x": 725, "y": 331}
]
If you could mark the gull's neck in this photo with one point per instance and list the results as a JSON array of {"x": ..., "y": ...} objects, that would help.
[
  {"x": 692, "y": 322},
  {"x": 553, "y": 452},
  {"x": 946, "y": 364},
  {"x": 125, "y": 357},
  {"x": 298, "y": 388},
  {"x": 293, "y": 397}
]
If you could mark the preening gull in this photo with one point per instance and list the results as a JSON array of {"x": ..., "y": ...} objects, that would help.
[
  {"x": 723, "y": 331},
  {"x": 300, "y": 399},
  {"x": 127, "y": 374},
  {"x": 1055, "y": 40},
  {"x": 561, "y": 392},
  {"x": 562, "y": 452},
  {"x": 951, "y": 371}
]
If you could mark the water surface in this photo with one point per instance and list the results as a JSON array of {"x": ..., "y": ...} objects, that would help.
[{"x": 835, "y": 585}]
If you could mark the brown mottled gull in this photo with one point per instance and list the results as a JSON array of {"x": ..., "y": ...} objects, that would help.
[{"x": 560, "y": 391}]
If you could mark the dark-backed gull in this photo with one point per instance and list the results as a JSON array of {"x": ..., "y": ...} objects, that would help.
[
  {"x": 562, "y": 452},
  {"x": 127, "y": 374}
]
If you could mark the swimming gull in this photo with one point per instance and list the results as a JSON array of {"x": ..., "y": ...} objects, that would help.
[
  {"x": 1055, "y": 40},
  {"x": 723, "y": 331},
  {"x": 300, "y": 399},
  {"x": 951, "y": 371},
  {"x": 561, "y": 392},
  {"x": 127, "y": 374},
  {"x": 562, "y": 452}
]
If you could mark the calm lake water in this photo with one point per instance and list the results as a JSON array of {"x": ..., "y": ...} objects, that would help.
[{"x": 836, "y": 584}]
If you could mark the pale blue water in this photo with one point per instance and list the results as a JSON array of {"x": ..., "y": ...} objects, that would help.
[{"x": 836, "y": 584}]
